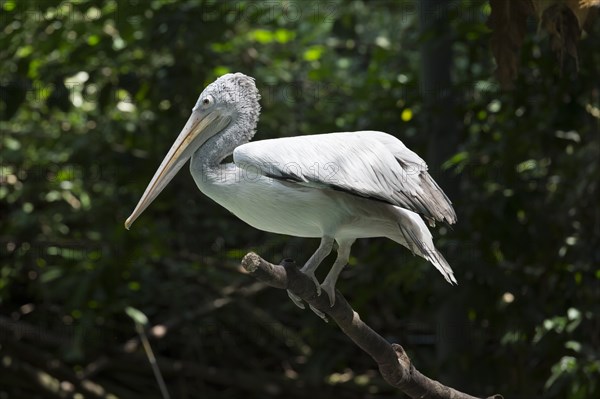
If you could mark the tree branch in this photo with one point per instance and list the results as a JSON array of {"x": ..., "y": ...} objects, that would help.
[{"x": 394, "y": 364}]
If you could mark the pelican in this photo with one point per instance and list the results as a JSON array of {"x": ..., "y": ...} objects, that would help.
[{"x": 337, "y": 186}]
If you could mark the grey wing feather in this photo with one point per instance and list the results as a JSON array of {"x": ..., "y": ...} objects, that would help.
[{"x": 368, "y": 164}]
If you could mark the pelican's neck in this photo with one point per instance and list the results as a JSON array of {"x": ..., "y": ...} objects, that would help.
[{"x": 206, "y": 164}]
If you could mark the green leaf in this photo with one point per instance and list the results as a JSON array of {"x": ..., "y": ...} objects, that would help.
[
  {"x": 456, "y": 159},
  {"x": 9, "y": 6},
  {"x": 526, "y": 165},
  {"x": 137, "y": 316},
  {"x": 262, "y": 36},
  {"x": 24, "y": 51},
  {"x": 313, "y": 53},
  {"x": 573, "y": 345},
  {"x": 284, "y": 35},
  {"x": 93, "y": 40},
  {"x": 51, "y": 275}
]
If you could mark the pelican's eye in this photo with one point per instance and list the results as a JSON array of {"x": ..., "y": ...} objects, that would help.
[{"x": 208, "y": 101}]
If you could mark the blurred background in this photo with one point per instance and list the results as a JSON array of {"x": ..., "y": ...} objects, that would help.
[{"x": 92, "y": 95}]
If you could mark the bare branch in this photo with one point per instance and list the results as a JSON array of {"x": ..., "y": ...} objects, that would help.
[{"x": 394, "y": 364}]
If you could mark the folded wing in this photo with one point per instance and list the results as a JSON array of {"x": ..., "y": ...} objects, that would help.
[{"x": 368, "y": 164}]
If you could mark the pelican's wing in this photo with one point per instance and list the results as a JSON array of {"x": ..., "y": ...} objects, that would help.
[{"x": 368, "y": 164}]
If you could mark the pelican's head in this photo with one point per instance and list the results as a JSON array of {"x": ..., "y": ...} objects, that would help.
[{"x": 231, "y": 99}]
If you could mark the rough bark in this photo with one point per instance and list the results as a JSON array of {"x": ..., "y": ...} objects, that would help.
[{"x": 394, "y": 364}]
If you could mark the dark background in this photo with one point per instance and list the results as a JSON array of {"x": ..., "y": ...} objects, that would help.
[{"x": 94, "y": 93}]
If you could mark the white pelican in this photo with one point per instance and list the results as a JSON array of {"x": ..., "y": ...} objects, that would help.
[{"x": 336, "y": 186}]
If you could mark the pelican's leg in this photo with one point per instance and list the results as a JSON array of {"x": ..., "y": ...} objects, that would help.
[
  {"x": 320, "y": 254},
  {"x": 343, "y": 254},
  {"x": 311, "y": 265}
]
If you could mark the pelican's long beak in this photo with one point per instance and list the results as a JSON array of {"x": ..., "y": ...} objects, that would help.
[{"x": 200, "y": 127}]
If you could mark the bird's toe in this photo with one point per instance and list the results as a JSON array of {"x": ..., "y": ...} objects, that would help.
[
  {"x": 296, "y": 299},
  {"x": 330, "y": 290},
  {"x": 317, "y": 284},
  {"x": 319, "y": 313}
]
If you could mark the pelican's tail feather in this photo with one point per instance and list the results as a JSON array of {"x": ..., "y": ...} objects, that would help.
[{"x": 415, "y": 235}]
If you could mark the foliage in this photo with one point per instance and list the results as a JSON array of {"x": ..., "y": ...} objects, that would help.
[
  {"x": 92, "y": 96},
  {"x": 563, "y": 21}
]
